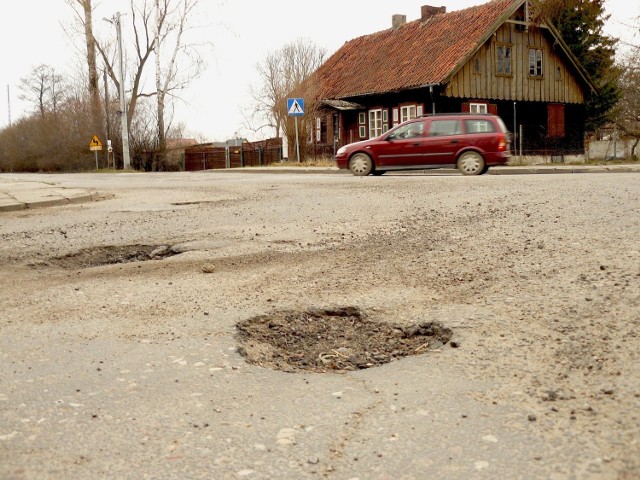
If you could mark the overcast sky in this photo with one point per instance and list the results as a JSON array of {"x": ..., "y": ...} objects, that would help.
[{"x": 241, "y": 32}]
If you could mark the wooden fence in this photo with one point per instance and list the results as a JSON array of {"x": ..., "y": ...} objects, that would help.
[{"x": 255, "y": 154}]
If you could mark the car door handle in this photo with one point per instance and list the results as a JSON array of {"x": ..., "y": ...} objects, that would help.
[
  {"x": 417, "y": 144},
  {"x": 453, "y": 142}
]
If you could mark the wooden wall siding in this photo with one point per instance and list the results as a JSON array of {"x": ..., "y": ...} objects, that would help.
[{"x": 551, "y": 87}]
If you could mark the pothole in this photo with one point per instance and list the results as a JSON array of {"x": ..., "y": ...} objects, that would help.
[
  {"x": 112, "y": 254},
  {"x": 340, "y": 339}
]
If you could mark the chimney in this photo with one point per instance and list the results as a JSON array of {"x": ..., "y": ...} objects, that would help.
[
  {"x": 397, "y": 21},
  {"x": 427, "y": 12}
]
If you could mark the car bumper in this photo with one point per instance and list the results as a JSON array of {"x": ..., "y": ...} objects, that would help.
[
  {"x": 498, "y": 158},
  {"x": 342, "y": 161}
]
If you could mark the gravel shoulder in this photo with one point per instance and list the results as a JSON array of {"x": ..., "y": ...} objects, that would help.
[{"x": 121, "y": 355}]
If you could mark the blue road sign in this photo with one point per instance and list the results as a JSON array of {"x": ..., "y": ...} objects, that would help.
[{"x": 295, "y": 107}]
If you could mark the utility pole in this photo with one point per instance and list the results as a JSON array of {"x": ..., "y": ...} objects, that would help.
[
  {"x": 123, "y": 106},
  {"x": 106, "y": 113},
  {"x": 9, "y": 104},
  {"x": 126, "y": 159}
]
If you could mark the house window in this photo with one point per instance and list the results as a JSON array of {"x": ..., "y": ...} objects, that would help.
[
  {"x": 407, "y": 112},
  {"x": 477, "y": 65},
  {"x": 504, "y": 60},
  {"x": 318, "y": 129},
  {"x": 535, "y": 62},
  {"x": 375, "y": 123},
  {"x": 362, "y": 125},
  {"x": 478, "y": 108},
  {"x": 385, "y": 120}
]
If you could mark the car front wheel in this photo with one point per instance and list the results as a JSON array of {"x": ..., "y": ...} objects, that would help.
[
  {"x": 361, "y": 164},
  {"x": 471, "y": 163}
]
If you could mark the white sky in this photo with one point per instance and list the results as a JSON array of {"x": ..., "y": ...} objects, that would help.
[{"x": 242, "y": 33}]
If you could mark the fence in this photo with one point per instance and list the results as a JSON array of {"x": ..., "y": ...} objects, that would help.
[{"x": 255, "y": 154}]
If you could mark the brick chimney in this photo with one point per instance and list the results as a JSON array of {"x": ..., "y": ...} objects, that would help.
[
  {"x": 427, "y": 12},
  {"x": 397, "y": 21}
]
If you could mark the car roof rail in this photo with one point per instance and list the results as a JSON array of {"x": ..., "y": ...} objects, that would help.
[{"x": 455, "y": 114}]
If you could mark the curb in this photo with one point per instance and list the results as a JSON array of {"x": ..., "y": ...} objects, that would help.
[
  {"x": 507, "y": 170},
  {"x": 12, "y": 204}
]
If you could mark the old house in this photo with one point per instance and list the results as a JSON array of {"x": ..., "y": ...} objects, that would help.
[{"x": 488, "y": 58}]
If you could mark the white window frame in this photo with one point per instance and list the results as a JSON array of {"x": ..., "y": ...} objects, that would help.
[
  {"x": 362, "y": 125},
  {"x": 318, "y": 129},
  {"x": 395, "y": 116},
  {"x": 375, "y": 122},
  {"x": 408, "y": 112},
  {"x": 478, "y": 108},
  {"x": 536, "y": 61}
]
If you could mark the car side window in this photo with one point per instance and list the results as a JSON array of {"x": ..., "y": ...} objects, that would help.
[
  {"x": 479, "y": 126},
  {"x": 440, "y": 128},
  {"x": 411, "y": 130}
]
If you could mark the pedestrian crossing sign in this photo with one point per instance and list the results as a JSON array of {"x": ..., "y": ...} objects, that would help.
[{"x": 295, "y": 107}]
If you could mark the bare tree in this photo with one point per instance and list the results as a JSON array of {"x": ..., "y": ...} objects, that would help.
[
  {"x": 83, "y": 10},
  {"x": 155, "y": 24},
  {"x": 171, "y": 25},
  {"x": 627, "y": 111},
  {"x": 44, "y": 89},
  {"x": 94, "y": 90},
  {"x": 283, "y": 74}
]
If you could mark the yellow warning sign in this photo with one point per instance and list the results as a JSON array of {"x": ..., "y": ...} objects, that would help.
[{"x": 95, "y": 143}]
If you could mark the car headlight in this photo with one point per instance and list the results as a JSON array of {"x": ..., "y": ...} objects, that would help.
[{"x": 341, "y": 150}]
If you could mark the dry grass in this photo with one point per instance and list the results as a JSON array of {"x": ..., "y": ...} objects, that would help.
[{"x": 309, "y": 162}]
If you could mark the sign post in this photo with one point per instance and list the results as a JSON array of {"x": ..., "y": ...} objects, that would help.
[
  {"x": 110, "y": 154},
  {"x": 95, "y": 145},
  {"x": 295, "y": 108}
]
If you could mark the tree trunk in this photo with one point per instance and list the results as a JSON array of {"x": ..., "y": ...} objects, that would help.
[
  {"x": 94, "y": 90},
  {"x": 161, "y": 158}
]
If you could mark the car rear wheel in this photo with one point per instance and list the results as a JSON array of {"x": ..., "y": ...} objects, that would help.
[
  {"x": 361, "y": 164},
  {"x": 471, "y": 163}
]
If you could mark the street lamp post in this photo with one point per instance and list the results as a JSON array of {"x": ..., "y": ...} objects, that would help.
[{"x": 126, "y": 159}]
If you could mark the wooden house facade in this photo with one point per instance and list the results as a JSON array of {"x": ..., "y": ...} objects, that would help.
[{"x": 489, "y": 58}]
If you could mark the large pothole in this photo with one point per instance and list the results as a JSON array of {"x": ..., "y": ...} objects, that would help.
[
  {"x": 112, "y": 254},
  {"x": 340, "y": 339}
]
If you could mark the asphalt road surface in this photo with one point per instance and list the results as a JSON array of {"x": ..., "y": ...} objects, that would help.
[{"x": 120, "y": 357}]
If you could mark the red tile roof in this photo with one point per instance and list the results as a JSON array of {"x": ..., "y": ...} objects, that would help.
[{"x": 414, "y": 55}]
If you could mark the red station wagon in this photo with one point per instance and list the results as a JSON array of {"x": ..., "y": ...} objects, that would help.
[{"x": 470, "y": 142}]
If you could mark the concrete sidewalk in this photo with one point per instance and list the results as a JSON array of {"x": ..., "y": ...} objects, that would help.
[{"x": 19, "y": 194}]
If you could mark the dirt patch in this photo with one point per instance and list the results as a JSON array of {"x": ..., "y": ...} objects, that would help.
[
  {"x": 111, "y": 254},
  {"x": 341, "y": 339}
]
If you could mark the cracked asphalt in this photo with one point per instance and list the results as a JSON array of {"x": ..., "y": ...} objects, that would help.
[{"x": 117, "y": 366}]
